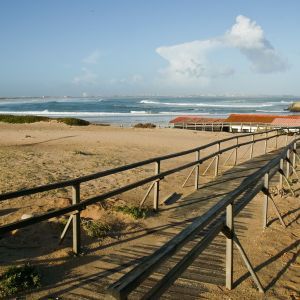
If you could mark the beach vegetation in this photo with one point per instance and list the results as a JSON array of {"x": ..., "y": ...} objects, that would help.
[
  {"x": 96, "y": 228},
  {"x": 135, "y": 212},
  {"x": 73, "y": 121},
  {"x": 144, "y": 125},
  {"x": 22, "y": 119},
  {"x": 18, "y": 279},
  {"x": 33, "y": 119}
]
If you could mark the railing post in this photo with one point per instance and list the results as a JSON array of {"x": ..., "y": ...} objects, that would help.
[
  {"x": 197, "y": 171},
  {"x": 156, "y": 187},
  {"x": 229, "y": 247},
  {"x": 276, "y": 140},
  {"x": 286, "y": 137},
  {"x": 266, "y": 142},
  {"x": 280, "y": 175},
  {"x": 287, "y": 164},
  {"x": 217, "y": 160},
  {"x": 266, "y": 201},
  {"x": 76, "y": 219},
  {"x": 252, "y": 146},
  {"x": 294, "y": 154},
  {"x": 236, "y": 151}
]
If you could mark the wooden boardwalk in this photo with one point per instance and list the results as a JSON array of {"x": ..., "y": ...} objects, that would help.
[{"x": 209, "y": 267}]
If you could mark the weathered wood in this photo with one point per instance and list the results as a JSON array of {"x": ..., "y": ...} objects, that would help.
[
  {"x": 248, "y": 264},
  {"x": 266, "y": 200},
  {"x": 287, "y": 172},
  {"x": 45, "y": 216},
  {"x": 67, "y": 226},
  {"x": 280, "y": 174},
  {"x": 227, "y": 159},
  {"x": 236, "y": 152},
  {"x": 147, "y": 193},
  {"x": 76, "y": 219},
  {"x": 209, "y": 165},
  {"x": 266, "y": 143},
  {"x": 137, "y": 275},
  {"x": 197, "y": 173},
  {"x": 217, "y": 160},
  {"x": 188, "y": 177},
  {"x": 62, "y": 184},
  {"x": 156, "y": 187},
  {"x": 229, "y": 247}
]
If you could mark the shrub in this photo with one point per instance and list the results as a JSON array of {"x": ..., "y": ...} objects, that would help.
[
  {"x": 33, "y": 119},
  {"x": 73, "y": 121},
  {"x": 18, "y": 279},
  {"x": 96, "y": 228},
  {"x": 134, "y": 211},
  {"x": 22, "y": 119},
  {"x": 144, "y": 125}
]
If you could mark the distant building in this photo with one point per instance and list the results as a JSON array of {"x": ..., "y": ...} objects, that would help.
[{"x": 238, "y": 123}]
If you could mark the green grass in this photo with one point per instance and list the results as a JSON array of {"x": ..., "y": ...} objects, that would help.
[
  {"x": 22, "y": 119},
  {"x": 96, "y": 229},
  {"x": 135, "y": 211},
  {"x": 73, "y": 121},
  {"x": 33, "y": 119},
  {"x": 18, "y": 279}
]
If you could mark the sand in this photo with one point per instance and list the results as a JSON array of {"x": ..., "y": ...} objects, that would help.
[{"x": 41, "y": 153}]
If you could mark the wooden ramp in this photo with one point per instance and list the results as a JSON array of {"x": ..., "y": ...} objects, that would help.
[{"x": 209, "y": 267}]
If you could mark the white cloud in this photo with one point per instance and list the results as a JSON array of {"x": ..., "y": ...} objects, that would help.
[
  {"x": 189, "y": 63},
  {"x": 249, "y": 38},
  {"x": 93, "y": 58},
  {"x": 86, "y": 77}
]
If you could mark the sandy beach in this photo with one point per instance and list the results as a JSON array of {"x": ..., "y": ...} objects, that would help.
[{"x": 41, "y": 153}]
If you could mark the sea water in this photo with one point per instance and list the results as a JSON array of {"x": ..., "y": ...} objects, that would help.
[{"x": 132, "y": 110}]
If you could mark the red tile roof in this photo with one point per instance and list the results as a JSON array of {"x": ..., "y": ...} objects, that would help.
[
  {"x": 288, "y": 122},
  {"x": 196, "y": 119},
  {"x": 254, "y": 118}
]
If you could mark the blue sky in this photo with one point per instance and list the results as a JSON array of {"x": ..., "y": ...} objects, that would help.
[{"x": 149, "y": 47}]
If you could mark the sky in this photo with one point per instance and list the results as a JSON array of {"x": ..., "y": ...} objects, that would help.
[{"x": 142, "y": 47}]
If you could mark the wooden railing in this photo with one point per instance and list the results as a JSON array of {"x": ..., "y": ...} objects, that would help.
[
  {"x": 220, "y": 218},
  {"x": 78, "y": 205}
]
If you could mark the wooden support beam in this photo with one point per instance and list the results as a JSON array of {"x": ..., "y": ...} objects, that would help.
[
  {"x": 252, "y": 147},
  {"x": 67, "y": 226},
  {"x": 147, "y": 193},
  {"x": 229, "y": 247},
  {"x": 266, "y": 142},
  {"x": 197, "y": 173},
  {"x": 227, "y": 159},
  {"x": 217, "y": 160},
  {"x": 248, "y": 263},
  {"x": 287, "y": 164},
  {"x": 293, "y": 169},
  {"x": 156, "y": 187},
  {"x": 209, "y": 165},
  {"x": 276, "y": 210},
  {"x": 266, "y": 200},
  {"x": 287, "y": 182},
  {"x": 236, "y": 152},
  {"x": 76, "y": 220},
  {"x": 188, "y": 177}
]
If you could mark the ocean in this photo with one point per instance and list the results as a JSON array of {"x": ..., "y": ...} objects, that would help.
[{"x": 132, "y": 110}]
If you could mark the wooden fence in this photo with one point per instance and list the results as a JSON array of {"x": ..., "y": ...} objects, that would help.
[
  {"x": 220, "y": 218},
  {"x": 78, "y": 205}
]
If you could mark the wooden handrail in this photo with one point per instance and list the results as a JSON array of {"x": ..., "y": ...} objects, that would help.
[
  {"x": 72, "y": 182},
  {"x": 121, "y": 288},
  {"x": 82, "y": 205}
]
